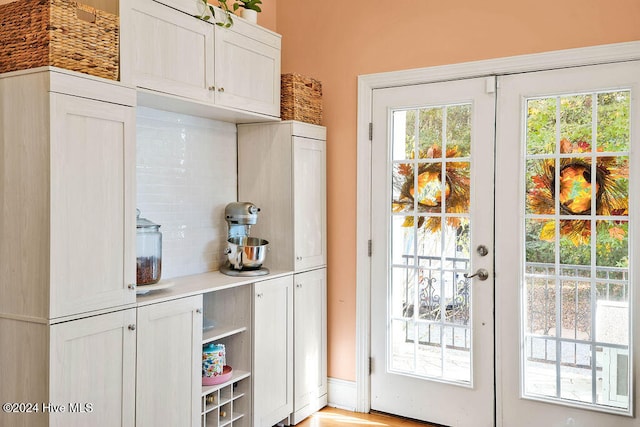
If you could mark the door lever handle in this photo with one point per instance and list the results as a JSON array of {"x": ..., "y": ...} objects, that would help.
[{"x": 482, "y": 274}]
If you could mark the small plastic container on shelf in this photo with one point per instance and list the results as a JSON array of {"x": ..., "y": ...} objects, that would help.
[{"x": 214, "y": 365}]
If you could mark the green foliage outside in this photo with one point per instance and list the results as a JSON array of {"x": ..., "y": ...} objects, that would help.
[{"x": 577, "y": 112}]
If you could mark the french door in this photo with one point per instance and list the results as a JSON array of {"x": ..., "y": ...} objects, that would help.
[
  {"x": 565, "y": 245},
  {"x": 432, "y": 218},
  {"x": 567, "y": 264}
]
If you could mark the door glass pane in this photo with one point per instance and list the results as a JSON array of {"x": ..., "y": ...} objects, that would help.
[
  {"x": 430, "y": 299},
  {"x": 576, "y": 314}
]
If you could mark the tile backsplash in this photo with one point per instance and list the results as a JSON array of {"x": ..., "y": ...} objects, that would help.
[{"x": 186, "y": 170}]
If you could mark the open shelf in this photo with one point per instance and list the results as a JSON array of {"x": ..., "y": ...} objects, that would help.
[
  {"x": 235, "y": 377},
  {"x": 219, "y": 332},
  {"x": 229, "y": 404}
]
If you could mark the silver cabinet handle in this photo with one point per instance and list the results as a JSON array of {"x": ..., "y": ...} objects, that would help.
[
  {"x": 132, "y": 327},
  {"x": 482, "y": 274}
]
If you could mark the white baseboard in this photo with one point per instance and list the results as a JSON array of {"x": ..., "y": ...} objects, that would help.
[{"x": 342, "y": 394}]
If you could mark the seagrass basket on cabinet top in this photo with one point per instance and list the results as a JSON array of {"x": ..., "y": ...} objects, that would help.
[
  {"x": 58, "y": 33},
  {"x": 301, "y": 99}
]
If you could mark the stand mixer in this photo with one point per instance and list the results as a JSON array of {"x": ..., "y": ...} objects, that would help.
[{"x": 245, "y": 255}]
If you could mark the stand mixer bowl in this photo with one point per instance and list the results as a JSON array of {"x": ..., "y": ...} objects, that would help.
[{"x": 246, "y": 253}]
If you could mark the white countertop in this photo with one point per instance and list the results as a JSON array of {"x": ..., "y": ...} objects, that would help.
[{"x": 202, "y": 283}]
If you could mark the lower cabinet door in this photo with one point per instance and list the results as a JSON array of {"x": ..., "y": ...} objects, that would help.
[
  {"x": 310, "y": 343},
  {"x": 169, "y": 363},
  {"x": 92, "y": 371},
  {"x": 273, "y": 351}
]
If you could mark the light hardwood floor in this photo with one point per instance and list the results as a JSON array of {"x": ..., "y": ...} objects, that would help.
[{"x": 331, "y": 417}]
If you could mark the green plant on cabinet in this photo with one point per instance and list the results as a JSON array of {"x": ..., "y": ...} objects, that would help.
[{"x": 209, "y": 14}]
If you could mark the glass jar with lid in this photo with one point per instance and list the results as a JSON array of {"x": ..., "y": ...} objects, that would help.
[{"x": 148, "y": 251}]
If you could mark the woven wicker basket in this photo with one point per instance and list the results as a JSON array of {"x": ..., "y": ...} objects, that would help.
[
  {"x": 59, "y": 33},
  {"x": 301, "y": 99}
]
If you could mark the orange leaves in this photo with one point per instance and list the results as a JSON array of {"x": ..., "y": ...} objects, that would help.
[
  {"x": 578, "y": 232},
  {"x": 617, "y": 233},
  {"x": 419, "y": 187},
  {"x": 575, "y": 188},
  {"x": 435, "y": 152},
  {"x": 581, "y": 146},
  {"x": 548, "y": 232},
  {"x": 566, "y": 146},
  {"x": 405, "y": 169},
  {"x": 540, "y": 181},
  {"x": 429, "y": 188}
]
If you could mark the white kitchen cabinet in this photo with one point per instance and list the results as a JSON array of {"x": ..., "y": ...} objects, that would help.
[
  {"x": 282, "y": 169},
  {"x": 247, "y": 68},
  {"x": 169, "y": 361},
  {"x": 310, "y": 344},
  {"x": 195, "y": 67},
  {"x": 68, "y": 185},
  {"x": 166, "y": 50},
  {"x": 272, "y": 351},
  {"x": 93, "y": 367},
  {"x": 78, "y": 373}
]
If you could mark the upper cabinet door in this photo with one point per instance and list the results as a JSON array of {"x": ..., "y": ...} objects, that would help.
[
  {"x": 247, "y": 69},
  {"x": 92, "y": 213},
  {"x": 166, "y": 50},
  {"x": 309, "y": 193}
]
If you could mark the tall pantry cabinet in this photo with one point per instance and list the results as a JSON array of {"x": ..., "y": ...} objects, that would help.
[
  {"x": 67, "y": 165},
  {"x": 282, "y": 170}
]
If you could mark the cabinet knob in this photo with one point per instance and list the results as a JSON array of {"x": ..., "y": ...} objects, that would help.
[
  {"x": 298, "y": 285},
  {"x": 131, "y": 286},
  {"x": 259, "y": 295},
  {"x": 132, "y": 327},
  {"x": 199, "y": 310},
  {"x": 220, "y": 89},
  {"x": 299, "y": 258},
  {"x": 212, "y": 88}
]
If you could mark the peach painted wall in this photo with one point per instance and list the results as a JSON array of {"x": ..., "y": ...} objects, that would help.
[
  {"x": 337, "y": 41},
  {"x": 266, "y": 18}
]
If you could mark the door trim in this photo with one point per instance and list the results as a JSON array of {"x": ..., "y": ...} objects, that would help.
[{"x": 602, "y": 54}]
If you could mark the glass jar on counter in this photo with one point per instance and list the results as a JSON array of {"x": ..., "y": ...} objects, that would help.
[{"x": 148, "y": 251}]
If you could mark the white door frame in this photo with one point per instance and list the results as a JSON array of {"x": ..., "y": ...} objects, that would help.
[{"x": 602, "y": 54}]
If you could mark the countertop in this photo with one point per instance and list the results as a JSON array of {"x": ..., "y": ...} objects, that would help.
[{"x": 202, "y": 283}]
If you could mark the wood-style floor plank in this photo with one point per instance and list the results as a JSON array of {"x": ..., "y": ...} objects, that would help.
[{"x": 332, "y": 417}]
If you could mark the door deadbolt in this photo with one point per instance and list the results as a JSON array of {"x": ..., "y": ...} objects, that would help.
[{"x": 482, "y": 250}]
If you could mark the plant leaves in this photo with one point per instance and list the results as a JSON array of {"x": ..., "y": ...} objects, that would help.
[
  {"x": 617, "y": 233},
  {"x": 548, "y": 232}
]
